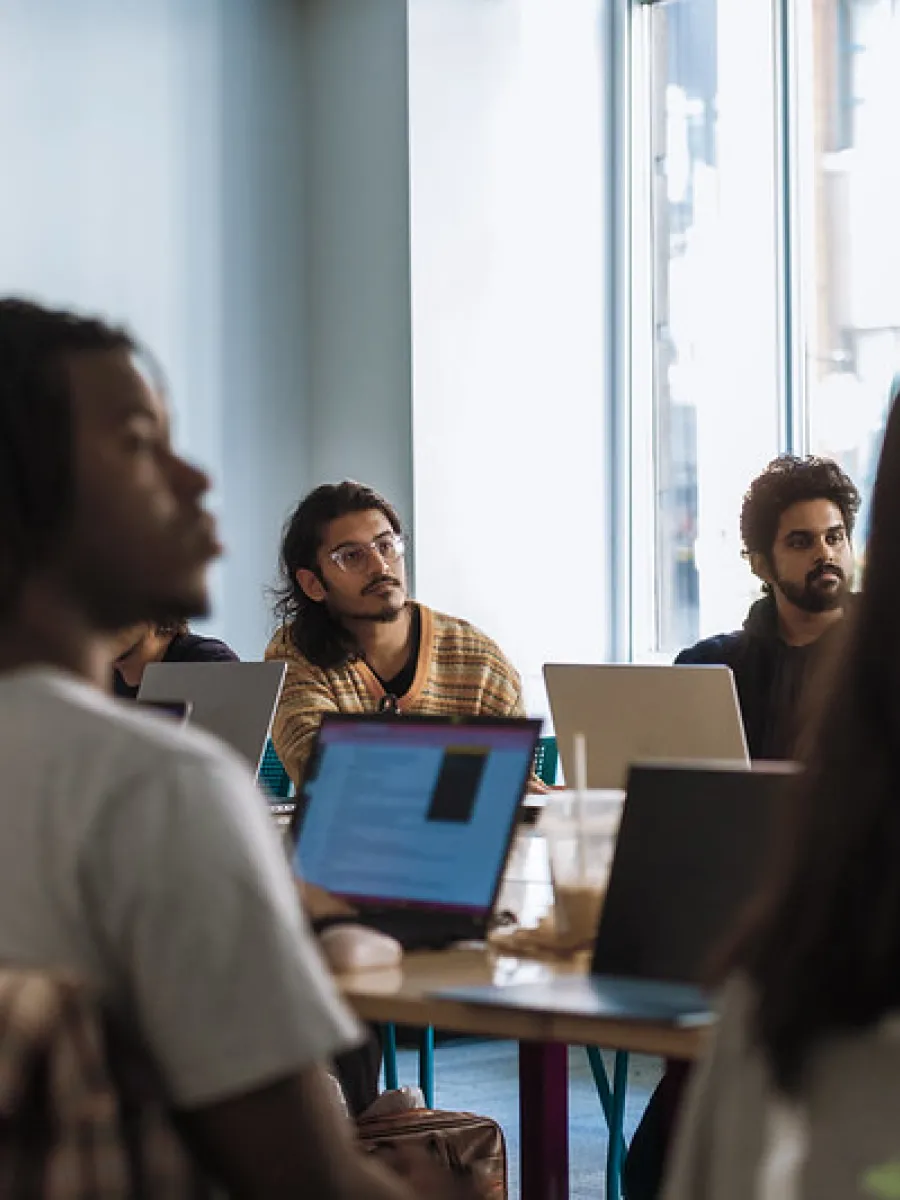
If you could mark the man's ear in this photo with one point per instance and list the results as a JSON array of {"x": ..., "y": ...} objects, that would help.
[
  {"x": 759, "y": 565},
  {"x": 312, "y": 585}
]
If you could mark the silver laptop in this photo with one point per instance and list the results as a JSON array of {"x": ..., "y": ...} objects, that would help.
[
  {"x": 692, "y": 850},
  {"x": 631, "y": 713},
  {"x": 236, "y": 701}
]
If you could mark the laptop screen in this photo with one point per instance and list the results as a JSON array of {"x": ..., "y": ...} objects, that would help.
[
  {"x": 692, "y": 848},
  {"x": 413, "y": 811}
]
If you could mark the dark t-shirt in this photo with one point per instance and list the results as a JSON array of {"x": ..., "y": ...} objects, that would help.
[
  {"x": 184, "y": 647},
  {"x": 400, "y": 684},
  {"x": 772, "y": 678}
]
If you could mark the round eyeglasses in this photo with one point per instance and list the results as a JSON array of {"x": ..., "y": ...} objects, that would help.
[{"x": 354, "y": 556}]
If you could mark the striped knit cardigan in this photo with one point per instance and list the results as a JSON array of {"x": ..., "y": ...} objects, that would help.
[{"x": 460, "y": 672}]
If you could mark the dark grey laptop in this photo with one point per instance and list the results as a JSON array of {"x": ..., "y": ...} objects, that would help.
[
  {"x": 410, "y": 819},
  {"x": 692, "y": 848}
]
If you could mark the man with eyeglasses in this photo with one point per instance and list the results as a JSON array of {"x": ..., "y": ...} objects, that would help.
[{"x": 353, "y": 639}]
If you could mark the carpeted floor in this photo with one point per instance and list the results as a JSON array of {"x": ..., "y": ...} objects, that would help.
[{"x": 483, "y": 1077}]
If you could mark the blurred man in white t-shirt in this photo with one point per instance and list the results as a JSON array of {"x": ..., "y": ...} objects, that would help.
[{"x": 136, "y": 854}]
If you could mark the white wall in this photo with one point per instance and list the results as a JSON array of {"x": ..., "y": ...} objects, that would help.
[
  {"x": 507, "y": 226},
  {"x": 357, "y": 224},
  {"x": 99, "y": 104},
  {"x": 263, "y": 344},
  {"x": 234, "y": 181},
  {"x": 231, "y": 180},
  {"x": 153, "y": 174}
]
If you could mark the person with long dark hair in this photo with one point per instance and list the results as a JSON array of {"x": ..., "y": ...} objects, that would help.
[
  {"x": 797, "y": 522},
  {"x": 353, "y": 639},
  {"x": 799, "y": 1095}
]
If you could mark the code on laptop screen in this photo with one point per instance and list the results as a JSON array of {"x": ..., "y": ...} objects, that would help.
[{"x": 401, "y": 811}]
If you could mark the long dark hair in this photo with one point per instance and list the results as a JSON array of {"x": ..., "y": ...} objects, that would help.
[
  {"x": 310, "y": 626},
  {"x": 37, "y": 481},
  {"x": 824, "y": 947}
]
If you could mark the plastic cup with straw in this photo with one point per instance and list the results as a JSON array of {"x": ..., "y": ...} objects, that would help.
[
  {"x": 580, "y": 756},
  {"x": 581, "y": 836}
]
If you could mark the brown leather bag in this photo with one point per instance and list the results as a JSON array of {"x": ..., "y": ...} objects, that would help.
[{"x": 468, "y": 1146}]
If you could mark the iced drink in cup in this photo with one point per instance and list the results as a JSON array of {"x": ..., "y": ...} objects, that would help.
[{"x": 581, "y": 831}]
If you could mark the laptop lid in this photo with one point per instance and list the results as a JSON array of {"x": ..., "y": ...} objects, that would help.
[
  {"x": 415, "y": 812},
  {"x": 176, "y": 710},
  {"x": 236, "y": 701},
  {"x": 632, "y": 713},
  {"x": 692, "y": 848}
]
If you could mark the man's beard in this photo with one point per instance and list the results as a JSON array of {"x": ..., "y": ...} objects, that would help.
[
  {"x": 385, "y": 615},
  {"x": 811, "y": 599}
]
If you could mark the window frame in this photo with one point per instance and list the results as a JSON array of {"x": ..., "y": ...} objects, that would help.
[{"x": 632, "y": 389}]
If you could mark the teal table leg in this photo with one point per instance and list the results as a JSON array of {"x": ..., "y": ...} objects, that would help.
[
  {"x": 389, "y": 1042},
  {"x": 615, "y": 1155},
  {"x": 426, "y": 1064},
  {"x": 601, "y": 1081}
]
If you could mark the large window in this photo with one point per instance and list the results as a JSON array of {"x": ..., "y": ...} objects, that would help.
[
  {"x": 848, "y": 52},
  {"x": 766, "y": 315},
  {"x": 707, "y": 416}
]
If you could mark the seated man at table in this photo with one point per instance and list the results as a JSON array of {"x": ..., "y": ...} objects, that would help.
[
  {"x": 136, "y": 856},
  {"x": 168, "y": 641},
  {"x": 797, "y": 524},
  {"x": 355, "y": 642}
]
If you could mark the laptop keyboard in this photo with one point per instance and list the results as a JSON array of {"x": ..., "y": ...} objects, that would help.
[
  {"x": 422, "y": 931},
  {"x": 282, "y": 813}
]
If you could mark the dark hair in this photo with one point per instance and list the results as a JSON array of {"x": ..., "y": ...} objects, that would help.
[
  {"x": 36, "y": 468},
  {"x": 174, "y": 626},
  {"x": 788, "y": 480},
  {"x": 824, "y": 947},
  {"x": 311, "y": 627}
]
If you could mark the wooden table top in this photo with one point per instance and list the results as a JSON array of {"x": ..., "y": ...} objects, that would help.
[{"x": 403, "y": 995}]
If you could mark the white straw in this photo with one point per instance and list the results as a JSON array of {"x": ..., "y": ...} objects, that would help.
[{"x": 580, "y": 788}]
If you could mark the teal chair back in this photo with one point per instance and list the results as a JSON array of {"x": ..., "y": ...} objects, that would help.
[
  {"x": 546, "y": 760},
  {"x": 273, "y": 778}
]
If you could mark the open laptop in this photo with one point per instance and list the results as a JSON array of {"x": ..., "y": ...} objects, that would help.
[
  {"x": 632, "y": 713},
  {"x": 410, "y": 819},
  {"x": 236, "y": 701},
  {"x": 178, "y": 711},
  {"x": 692, "y": 849}
]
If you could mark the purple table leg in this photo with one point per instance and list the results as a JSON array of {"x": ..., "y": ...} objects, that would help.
[{"x": 544, "y": 1120}]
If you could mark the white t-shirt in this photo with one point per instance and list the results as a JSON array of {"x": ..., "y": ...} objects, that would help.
[
  {"x": 742, "y": 1138},
  {"x": 786, "y": 1147},
  {"x": 141, "y": 856}
]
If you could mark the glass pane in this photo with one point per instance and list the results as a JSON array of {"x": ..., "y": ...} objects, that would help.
[
  {"x": 849, "y": 189},
  {"x": 716, "y": 394}
]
